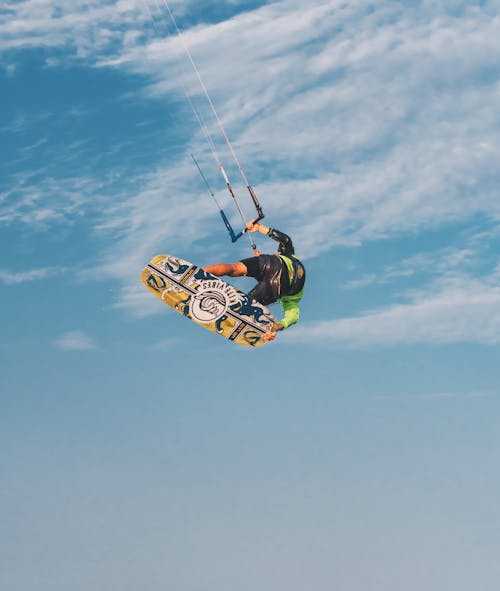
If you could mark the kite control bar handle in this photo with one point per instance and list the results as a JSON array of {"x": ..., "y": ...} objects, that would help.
[
  {"x": 233, "y": 236},
  {"x": 255, "y": 221}
]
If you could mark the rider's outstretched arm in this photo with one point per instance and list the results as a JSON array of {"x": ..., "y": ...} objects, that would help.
[
  {"x": 230, "y": 269},
  {"x": 280, "y": 237},
  {"x": 255, "y": 227}
]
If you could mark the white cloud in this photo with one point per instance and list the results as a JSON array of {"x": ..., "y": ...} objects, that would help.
[
  {"x": 89, "y": 26},
  {"x": 358, "y": 121},
  {"x": 375, "y": 124},
  {"x": 441, "y": 262},
  {"x": 165, "y": 345},
  {"x": 459, "y": 309},
  {"x": 376, "y": 121},
  {"x": 18, "y": 277},
  {"x": 38, "y": 198},
  {"x": 75, "y": 340}
]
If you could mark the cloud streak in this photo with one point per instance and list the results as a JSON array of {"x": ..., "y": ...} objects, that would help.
[
  {"x": 441, "y": 262},
  {"x": 19, "y": 277},
  {"x": 75, "y": 340},
  {"x": 458, "y": 310},
  {"x": 387, "y": 117},
  {"x": 360, "y": 122},
  {"x": 387, "y": 123}
]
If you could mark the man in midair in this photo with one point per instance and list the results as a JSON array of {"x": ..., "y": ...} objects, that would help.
[{"x": 281, "y": 276}]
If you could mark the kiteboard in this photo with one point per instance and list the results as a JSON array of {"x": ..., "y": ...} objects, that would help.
[{"x": 208, "y": 300}]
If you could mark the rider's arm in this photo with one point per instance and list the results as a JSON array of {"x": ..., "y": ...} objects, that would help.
[
  {"x": 274, "y": 234},
  {"x": 291, "y": 317},
  {"x": 255, "y": 227}
]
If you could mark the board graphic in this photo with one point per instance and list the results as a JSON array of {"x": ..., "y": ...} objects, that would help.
[{"x": 208, "y": 300}]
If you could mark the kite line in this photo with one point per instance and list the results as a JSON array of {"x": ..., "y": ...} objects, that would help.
[{"x": 211, "y": 144}]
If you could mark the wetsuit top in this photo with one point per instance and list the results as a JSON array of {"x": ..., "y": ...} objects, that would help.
[{"x": 296, "y": 276}]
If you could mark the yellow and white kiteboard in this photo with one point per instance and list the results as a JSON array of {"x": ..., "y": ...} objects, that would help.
[{"x": 208, "y": 300}]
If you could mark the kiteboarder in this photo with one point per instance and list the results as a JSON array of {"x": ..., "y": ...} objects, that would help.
[{"x": 281, "y": 276}]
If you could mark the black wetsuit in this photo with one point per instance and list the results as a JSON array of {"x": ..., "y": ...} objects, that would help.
[{"x": 275, "y": 278}]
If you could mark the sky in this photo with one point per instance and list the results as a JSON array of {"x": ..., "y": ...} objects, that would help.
[{"x": 360, "y": 450}]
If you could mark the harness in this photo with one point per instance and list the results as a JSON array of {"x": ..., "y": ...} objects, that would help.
[{"x": 296, "y": 274}]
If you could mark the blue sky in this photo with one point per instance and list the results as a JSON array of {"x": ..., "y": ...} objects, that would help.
[{"x": 358, "y": 451}]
